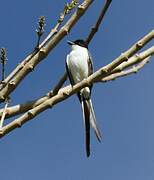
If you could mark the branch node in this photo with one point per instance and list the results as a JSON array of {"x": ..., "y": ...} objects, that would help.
[
  {"x": 104, "y": 70},
  {"x": 81, "y": 8},
  {"x": 31, "y": 67},
  {"x": 65, "y": 30},
  {"x": 31, "y": 114},
  {"x": 66, "y": 93},
  {"x": 19, "y": 124},
  {"x": 87, "y": 82},
  {"x": 94, "y": 29},
  {"x": 12, "y": 83},
  {"x": 2, "y": 98},
  {"x": 139, "y": 44},
  {"x": 50, "y": 105},
  {"x": 1, "y": 132},
  {"x": 135, "y": 69},
  {"x": 43, "y": 52},
  {"x": 124, "y": 57},
  {"x": 50, "y": 94}
]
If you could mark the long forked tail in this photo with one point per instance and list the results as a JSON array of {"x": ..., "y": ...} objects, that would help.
[
  {"x": 93, "y": 121},
  {"x": 89, "y": 118},
  {"x": 86, "y": 117}
]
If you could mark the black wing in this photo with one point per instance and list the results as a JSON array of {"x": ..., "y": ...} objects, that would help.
[
  {"x": 90, "y": 67},
  {"x": 90, "y": 64}
]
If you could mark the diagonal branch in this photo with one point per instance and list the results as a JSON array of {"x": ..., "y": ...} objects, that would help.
[
  {"x": 127, "y": 72},
  {"x": 105, "y": 73},
  {"x": 22, "y": 108},
  {"x": 130, "y": 52},
  {"x": 36, "y": 50},
  {"x": 44, "y": 51},
  {"x": 69, "y": 91},
  {"x": 102, "y": 14}
]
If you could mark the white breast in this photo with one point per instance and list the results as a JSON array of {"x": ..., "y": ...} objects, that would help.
[{"x": 77, "y": 62}]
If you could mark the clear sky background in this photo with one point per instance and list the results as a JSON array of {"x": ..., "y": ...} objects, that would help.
[{"x": 52, "y": 145}]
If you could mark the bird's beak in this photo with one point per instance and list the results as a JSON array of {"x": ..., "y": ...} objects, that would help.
[{"x": 70, "y": 43}]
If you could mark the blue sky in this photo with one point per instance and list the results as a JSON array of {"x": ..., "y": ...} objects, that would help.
[{"x": 52, "y": 145}]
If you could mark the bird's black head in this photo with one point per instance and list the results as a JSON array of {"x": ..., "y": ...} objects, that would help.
[{"x": 79, "y": 42}]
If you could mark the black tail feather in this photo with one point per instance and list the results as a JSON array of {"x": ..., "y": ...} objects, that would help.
[{"x": 87, "y": 126}]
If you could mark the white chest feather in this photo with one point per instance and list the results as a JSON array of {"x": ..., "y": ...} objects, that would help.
[{"x": 77, "y": 62}]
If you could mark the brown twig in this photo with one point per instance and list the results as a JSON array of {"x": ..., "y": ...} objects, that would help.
[{"x": 98, "y": 22}]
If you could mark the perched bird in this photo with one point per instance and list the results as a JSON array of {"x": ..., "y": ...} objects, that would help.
[{"x": 79, "y": 66}]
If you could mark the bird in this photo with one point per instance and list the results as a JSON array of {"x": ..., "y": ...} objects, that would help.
[{"x": 79, "y": 66}]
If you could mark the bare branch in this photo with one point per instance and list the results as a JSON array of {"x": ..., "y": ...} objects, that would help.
[
  {"x": 25, "y": 69},
  {"x": 130, "y": 52},
  {"x": 22, "y": 108},
  {"x": 69, "y": 91},
  {"x": 103, "y": 73},
  {"x": 102, "y": 14},
  {"x": 36, "y": 50},
  {"x": 127, "y": 72},
  {"x": 46, "y": 49},
  {"x": 132, "y": 61},
  {"x": 59, "y": 85}
]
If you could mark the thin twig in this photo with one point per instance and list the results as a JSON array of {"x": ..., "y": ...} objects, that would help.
[
  {"x": 59, "y": 84},
  {"x": 40, "y": 29},
  {"x": 44, "y": 51},
  {"x": 3, "y": 57},
  {"x": 36, "y": 50},
  {"x": 22, "y": 108},
  {"x": 102, "y": 14}
]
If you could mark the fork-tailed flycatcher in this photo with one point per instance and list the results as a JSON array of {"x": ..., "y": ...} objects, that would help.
[{"x": 79, "y": 66}]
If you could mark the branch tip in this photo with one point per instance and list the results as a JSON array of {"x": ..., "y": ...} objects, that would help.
[
  {"x": 3, "y": 57},
  {"x": 40, "y": 29},
  {"x": 70, "y": 6}
]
